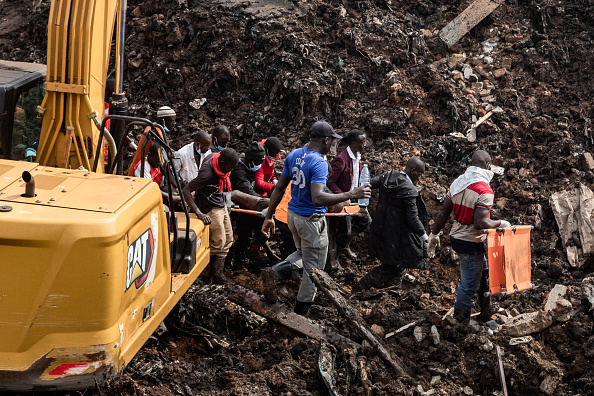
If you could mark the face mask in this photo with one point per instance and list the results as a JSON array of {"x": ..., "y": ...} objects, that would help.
[
  {"x": 220, "y": 148},
  {"x": 255, "y": 168},
  {"x": 270, "y": 158},
  {"x": 198, "y": 152},
  {"x": 167, "y": 130}
]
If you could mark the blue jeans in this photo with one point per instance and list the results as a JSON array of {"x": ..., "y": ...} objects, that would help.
[{"x": 474, "y": 272}]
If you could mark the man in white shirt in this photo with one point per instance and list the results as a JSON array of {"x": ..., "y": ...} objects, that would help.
[{"x": 189, "y": 158}]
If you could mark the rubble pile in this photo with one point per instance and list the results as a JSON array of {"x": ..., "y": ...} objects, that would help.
[{"x": 518, "y": 84}]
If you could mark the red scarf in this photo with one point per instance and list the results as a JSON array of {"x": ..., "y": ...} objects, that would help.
[{"x": 224, "y": 181}]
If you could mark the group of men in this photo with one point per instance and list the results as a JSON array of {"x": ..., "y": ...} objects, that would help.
[{"x": 297, "y": 201}]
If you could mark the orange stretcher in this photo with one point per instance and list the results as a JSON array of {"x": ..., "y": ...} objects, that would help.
[
  {"x": 508, "y": 254},
  {"x": 351, "y": 210}
]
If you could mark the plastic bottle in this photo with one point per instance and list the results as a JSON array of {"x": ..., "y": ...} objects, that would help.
[{"x": 364, "y": 179}]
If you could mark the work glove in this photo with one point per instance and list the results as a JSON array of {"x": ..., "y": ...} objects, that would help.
[
  {"x": 432, "y": 245},
  {"x": 264, "y": 212},
  {"x": 505, "y": 224}
]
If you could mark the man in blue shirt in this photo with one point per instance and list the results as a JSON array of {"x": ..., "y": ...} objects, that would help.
[{"x": 307, "y": 172}]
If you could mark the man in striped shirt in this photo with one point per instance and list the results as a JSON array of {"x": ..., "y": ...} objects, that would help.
[{"x": 470, "y": 198}]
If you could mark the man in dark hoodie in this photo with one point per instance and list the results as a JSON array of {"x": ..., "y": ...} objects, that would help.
[
  {"x": 397, "y": 236},
  {"x": 242, "y": 179}
]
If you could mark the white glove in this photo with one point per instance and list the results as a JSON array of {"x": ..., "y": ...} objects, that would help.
[
  {"x": 275, "y": 182},
  {"x": 505, "y": 224},
  {"x": 433, "y": 244},
  {"x": 264, "y": 212}
]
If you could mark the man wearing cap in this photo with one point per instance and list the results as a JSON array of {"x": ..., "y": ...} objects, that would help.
[
  {"x": 190, "y": 157},
  {"x": 307, "y": 172},
  {"x": 209, "y": 205},
  {"x": 166, "y": 118},
  {"x": 220, "y": 138},
  {"x": 242, "y": 179}
]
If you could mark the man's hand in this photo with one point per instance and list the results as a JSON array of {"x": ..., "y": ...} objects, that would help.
[
  {"x": 432, "y": 245},
  {"x": 205, "y": 218},
  {"x": 505, "y": 224},
  {"x": 362, "y": 192},
  {"x": 268, "y": 227}
]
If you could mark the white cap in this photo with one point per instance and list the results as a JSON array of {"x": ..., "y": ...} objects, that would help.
[{"x": 165, "y": 111}]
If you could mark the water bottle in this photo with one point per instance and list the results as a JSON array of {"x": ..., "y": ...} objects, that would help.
[{"x": 364, "y": 179}]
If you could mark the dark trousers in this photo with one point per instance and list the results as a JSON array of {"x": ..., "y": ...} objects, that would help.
[
  {"x": 342, "y": 230},
  {"x": 247, "y": 226},
  {"x": 382, "y": 275}
]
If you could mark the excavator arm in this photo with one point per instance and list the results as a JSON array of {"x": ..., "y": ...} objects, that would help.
[{"x": 79, "y": 44}]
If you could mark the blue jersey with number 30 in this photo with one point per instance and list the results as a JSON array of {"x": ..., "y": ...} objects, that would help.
[{"x": 305, "y": 167}]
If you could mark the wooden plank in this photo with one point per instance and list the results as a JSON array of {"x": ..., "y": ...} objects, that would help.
[
  {"x": 277, "y": 313},
  {"x": 328, "y": 287},
  {"x": 468, "y": 19}
]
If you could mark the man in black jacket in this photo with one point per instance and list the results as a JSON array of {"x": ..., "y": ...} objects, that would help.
[
  {"x": 397, "y": 236},
  {"x": 242, "y": 179}
]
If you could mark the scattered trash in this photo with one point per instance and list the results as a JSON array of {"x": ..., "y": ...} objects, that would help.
[
  {"x": 468, "y": 19},
  {"x": 401, "y": 329},
  {"x": 419, "y": 334},
  {"x": 197, "y": 103},
  {"x": 520, "y": 340},
  {"x": 435, "y": 335}
]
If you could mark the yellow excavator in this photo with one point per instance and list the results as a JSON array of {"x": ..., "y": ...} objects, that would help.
[{"x": 90, "y": 262}]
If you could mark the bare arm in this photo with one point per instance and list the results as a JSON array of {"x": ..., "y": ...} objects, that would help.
[
  {"x": 321, "y": 198},
  {"x": 482, "y": 220},
  {"x": 442, "y": 217},
  {"x": 275, "y": 198},
  {"x": 193, "y": 207}
]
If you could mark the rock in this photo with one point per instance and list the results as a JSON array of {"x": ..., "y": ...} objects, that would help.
[
  {"x": 435, "y": 380},
  {"x": 502, "y": 319},
  {"x": 476, "y": 86},
  {"x": 489, "y": 98},
  {"x": 499, "y": 73},
  {"x": 435, "y": 335},
  {"x": 506, "y": 63},
  {"x": 473, "y": 78},
  {"x": 513, "y": 38},
  {"x": 467, "y": 390},
  {"x": 418, "y": 333},
  {"x": 549, "y": 385},
  {"x": 527, "y": 323},
  {"x": 514, "y": 312},
  {"x": 468, "y": 91},
  {"x": 559, "y": 291},
  {"x": 487, "y": 346},
  {"x": 378, "y": 330},
  {"x": 454, "y": 59},
  {"x": 586, "y": 162},
  {"x": 562, "y": 312},
  {"x": 474, "y": 325},
  {"x": 482, "y": 72},
  {"x": 136, "y": 11},
  {"x": 458, "y": 76},
  {"x": 493, "y": 325}
]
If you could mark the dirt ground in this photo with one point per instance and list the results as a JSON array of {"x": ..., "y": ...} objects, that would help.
[{"x": 271, "y": 68}]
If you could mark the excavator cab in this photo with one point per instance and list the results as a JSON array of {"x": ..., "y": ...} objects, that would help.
[{"x": 22, "y": 88}]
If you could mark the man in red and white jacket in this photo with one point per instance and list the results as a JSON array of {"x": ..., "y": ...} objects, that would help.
[{"x": 265, "y": 178}]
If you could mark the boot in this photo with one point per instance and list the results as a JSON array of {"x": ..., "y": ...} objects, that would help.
[
  {"x": 302, "y": 308},
  {"x": 217, "y": 274},
  {"x": 462, "y": 315},
  {"x": 485, "y": 306},
  {"x": 272, "y": 276}
]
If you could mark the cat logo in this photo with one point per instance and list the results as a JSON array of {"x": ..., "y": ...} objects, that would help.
[{"x": 140, "y": 259}]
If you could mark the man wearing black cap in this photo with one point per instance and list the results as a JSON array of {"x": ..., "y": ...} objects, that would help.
[
  {"x": 242, "y": 179},
  {"x": 307, "y": 172}
]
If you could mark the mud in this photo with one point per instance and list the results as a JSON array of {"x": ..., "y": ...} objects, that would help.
[{"x": 272, "y": 67}]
